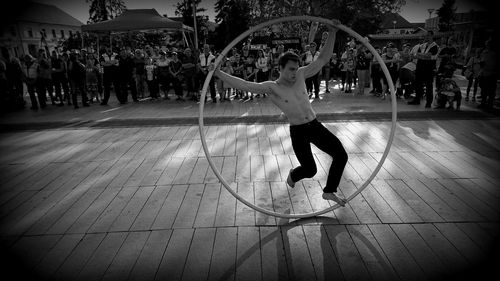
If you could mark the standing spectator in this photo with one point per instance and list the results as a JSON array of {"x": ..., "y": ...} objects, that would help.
[
  {"x": 238, "y": 66},
  {"x": 65, "y": 82},
  {"x": 362, "y": 63},
  {"x": 249, "y": 72},
  {"x": 262, "y": 65},
  {"x": 156, "y": 54},
  {"x": 91, "y": 73},
  {"x": 30, "y": 70},
  {"x": 472, "y": 72},
  {"x": 376, "y": 75},
  {"x": 223, "y": 88},
  {"x": 4, "y": 86},
  {"x": 205, "y": 59},
  {"x": 126, "y": 77},
  {"x": 325, "y": 71},
  {"x": 275, "y": 62},
  {"x": 139, "y": 64},
  {"x": 404, "y": 58},
  {"x": 189, "y": 71},
  {"x": 44, "y": 81},
  {"x": 163, "y": 73},
  {"x": 350, "y": 68},
  {"x": 426, "y": 63},
  {"x": 391, "y": 59},
  {"x": 335, "y": 68},
  {"x": 311, "y": 56},
  {"x": 489, "y": 75},
  {"x": 14, "y": 73},
  {"x": 59, "y": 76},
  {"x": 109, "y": 62},
  {"x": 76, "y": 74},
  {"x": 175, "y": 69},
  {"x": 152, "y": 79}
]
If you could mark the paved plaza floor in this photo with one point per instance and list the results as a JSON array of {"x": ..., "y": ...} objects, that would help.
[{"x": 126, "y": 193}]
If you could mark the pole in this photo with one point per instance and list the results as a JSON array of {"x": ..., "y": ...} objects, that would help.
[{"x": 195, "y": 28}]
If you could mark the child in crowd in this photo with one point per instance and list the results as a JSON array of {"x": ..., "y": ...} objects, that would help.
[
  {"x": 91, "y": 73},
  {"x": 151, "y": 78},
  {"x": 448, "y": 93},
  {"x": 223, "y": 88}
]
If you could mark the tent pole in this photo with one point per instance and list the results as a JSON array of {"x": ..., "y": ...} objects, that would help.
[{"x": 195, "y": 28}]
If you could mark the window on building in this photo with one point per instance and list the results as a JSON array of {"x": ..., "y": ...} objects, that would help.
[
  {"x": 43, "y": 33},
  {"x": 54, "y": 35},
  {"x": 62, "y": 33},
  {"x": 70, "y": 33},
  {"x": 29, "y": 31}
]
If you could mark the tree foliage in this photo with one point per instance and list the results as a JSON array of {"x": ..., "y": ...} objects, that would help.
[
  {"x": 363, "y": 16},
  {"x": 233, "y": 17},
  {"x": 185, "y": 10},
  {"x": 446, "y": 15},
  {"x": 101, "y": 10}
]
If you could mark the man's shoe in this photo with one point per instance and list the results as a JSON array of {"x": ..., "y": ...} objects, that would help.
[
  {"x": 289, "y": 180},
  {"x": 414, "y": 102},
  {"x": 86, "y": 105},
  {"x": 427, "y": 105},
  {"x": 332, "y": 196}
]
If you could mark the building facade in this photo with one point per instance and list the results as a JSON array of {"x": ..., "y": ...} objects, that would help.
[{"x": 38, "y": 26}]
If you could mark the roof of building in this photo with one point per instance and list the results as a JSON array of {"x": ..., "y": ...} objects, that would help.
[
  {"x": 389, "y": 19},
  {"x": 48, "y": 14}
]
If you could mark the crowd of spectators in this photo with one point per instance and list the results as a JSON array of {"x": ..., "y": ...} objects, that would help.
[{"x": 154, "y": 73}]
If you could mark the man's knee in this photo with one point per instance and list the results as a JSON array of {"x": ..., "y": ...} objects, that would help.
[
  {"x": 342, "y": 157},
  {"x": 310, "y": 171}
]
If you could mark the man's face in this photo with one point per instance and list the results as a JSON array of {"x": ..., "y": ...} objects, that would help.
[
  {"x": 187, "y": 52},
  {"x": 289, "y": 72},
  {"x": 313, "y": 47},
  {"x": 428, "y": 38},
  {"x": 206, "y": 50}
]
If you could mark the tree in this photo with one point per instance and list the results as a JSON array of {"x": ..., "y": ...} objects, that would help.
[
  {"x": 101, "y": 10},
  {"x": 446, "y": 15},
  {"x": 233, "y": 17},
  {"x": 185, "y": 9},
  {"x": 363, "y": 16}
]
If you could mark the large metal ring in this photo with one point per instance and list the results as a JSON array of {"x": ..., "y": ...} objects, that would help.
[{"x": 288, "y": 19}]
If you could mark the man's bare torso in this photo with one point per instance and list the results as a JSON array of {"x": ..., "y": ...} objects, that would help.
[{"x": 293, "y": 101}]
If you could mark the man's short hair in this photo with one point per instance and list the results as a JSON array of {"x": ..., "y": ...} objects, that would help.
[{"x": 288, "y": 56}]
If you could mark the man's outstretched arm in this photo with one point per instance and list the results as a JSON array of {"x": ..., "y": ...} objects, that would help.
[
  {"x": 238, "y": 83},
  {"x": 324, "y": 55}
]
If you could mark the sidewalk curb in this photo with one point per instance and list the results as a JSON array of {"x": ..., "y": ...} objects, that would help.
[{"x": 265, "y": 119}]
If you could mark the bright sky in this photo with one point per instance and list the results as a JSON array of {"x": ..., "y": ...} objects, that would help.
[{"x": 413, "y": 11}]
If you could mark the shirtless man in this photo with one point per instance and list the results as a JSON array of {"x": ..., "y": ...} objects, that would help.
[{"x": 289, "y": 93}]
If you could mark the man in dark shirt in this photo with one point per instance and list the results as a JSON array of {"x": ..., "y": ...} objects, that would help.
[
  {"x": 126, "y": 77},
  {"x": 424, "y": 73},
  {"x": 109, "y": 62}
]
